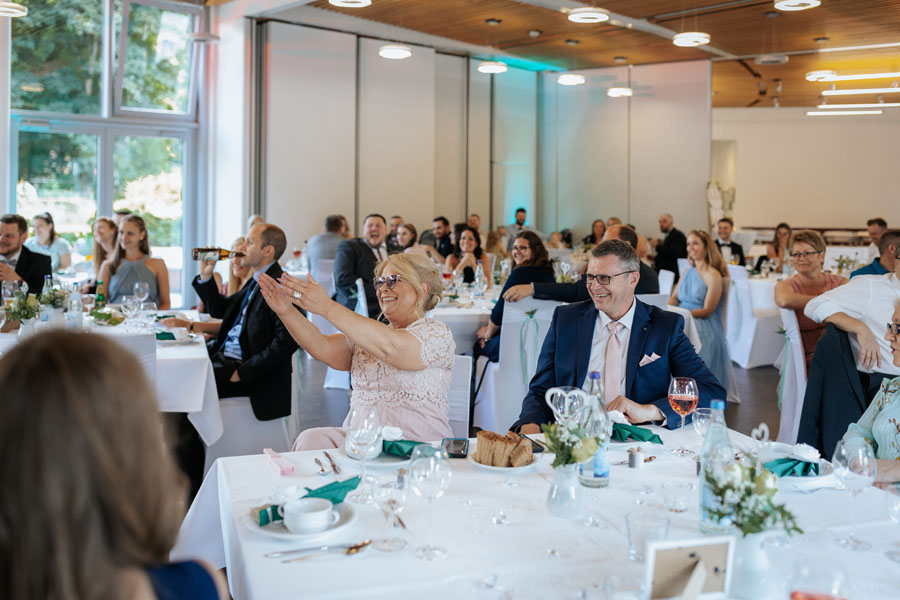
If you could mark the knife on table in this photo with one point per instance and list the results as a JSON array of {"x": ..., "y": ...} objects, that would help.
[
  {"x": 334, "y": 466},
  {"x": 332, "y": 549}
]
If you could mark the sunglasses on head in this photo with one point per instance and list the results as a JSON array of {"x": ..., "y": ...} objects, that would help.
[{"x": 390, "y": 281}]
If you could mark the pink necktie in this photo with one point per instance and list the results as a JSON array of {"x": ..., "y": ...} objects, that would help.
[{"x": 612, "y": 367}]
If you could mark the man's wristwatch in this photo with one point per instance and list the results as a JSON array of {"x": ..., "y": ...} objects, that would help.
[{"x": 191, "y": 326}]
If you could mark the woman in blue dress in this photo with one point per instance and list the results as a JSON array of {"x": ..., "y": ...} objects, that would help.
[
  {"x": 132, "y": 264},
  {"x": 701, "y": 290}
]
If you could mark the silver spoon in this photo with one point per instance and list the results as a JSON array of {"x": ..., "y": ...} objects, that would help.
[{"x": 321, "y": 467}]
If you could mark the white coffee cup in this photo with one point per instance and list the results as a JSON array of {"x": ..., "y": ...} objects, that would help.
[
  {"x": 181, "y": 334},
  {"x": 308, "y": 515}
]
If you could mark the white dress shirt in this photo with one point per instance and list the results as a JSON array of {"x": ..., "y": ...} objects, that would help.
[
  {"x": 382, "y": 250},
  {"x": 601, "y": 339},
  {"x": 869, "y": 298},
  {"x": 11, "y": 259}
]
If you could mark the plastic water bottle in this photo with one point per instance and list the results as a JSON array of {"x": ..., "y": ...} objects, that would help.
[
  {"x": 74, "y": 315},
  {"x": 714, "y": 457},
  {"x": 594, "y": 472}
]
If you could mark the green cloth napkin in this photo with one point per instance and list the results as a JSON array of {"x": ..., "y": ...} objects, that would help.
[
  {"x": 335, "y": 491},
  {"x": 792, "y": 467},
  {"x": 165, "y": 336},
  {"x": 402, "y": 448},
  {"x": 623, "y": 433}
]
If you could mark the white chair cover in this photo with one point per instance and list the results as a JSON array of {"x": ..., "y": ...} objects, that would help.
[
  {"x": 683, "y": 265},
  {"x": 657, "y": 300},
  {"x": 746, "y": 238},
  {"x": 293, "y": 421},
  {"x": 499, "y": 400},
  {"x": 340, "y": 380},
  {"x": 792, "y": 385},
  {"x": 143, "y": 346},
  {"x": 755, "y": 341},
  {"x": 325, "y": 275},
  {"x": 244, "y": 434},
  {"x": 733, "y": 393},
  {"x": 459, "y": 396},
  {"x": 666, "y": 282}
]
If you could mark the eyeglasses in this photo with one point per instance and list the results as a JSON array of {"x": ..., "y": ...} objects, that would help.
[
  {"x": 894, "y": 328},
  {"x": 390, "y": 281},
  {"x": 804, "y": 254},
  {"x": 590, "y": 278},
  {"x": 521, "y": 248}
]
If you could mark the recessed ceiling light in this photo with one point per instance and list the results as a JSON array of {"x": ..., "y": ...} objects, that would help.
[
  {"x": 690, "y": 39},
  {"x": 619, "y": 92},
  {"x": 492, "y": 21},
  {"x": 350, "y": 3},
  {"x": 794, "y": 5},
  {"x": 821, "y": 39},
  {"x": 620, "y": 59},
  {"x": 588, "y": 14},
  {"x": 823, "y": 75},
  {"x": 492, "y": 66},
  {"x": 831, "y": 113},
  {"x": 570, "y": 79},
  {"x": 395, "y": 51},
  {"x": 533, "y": 33},
  {"x": 572, "y": 42},
  {"x": 11, "y": 9}
]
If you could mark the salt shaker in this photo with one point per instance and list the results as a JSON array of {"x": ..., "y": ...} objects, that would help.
[{"x": 635, "y": 458}]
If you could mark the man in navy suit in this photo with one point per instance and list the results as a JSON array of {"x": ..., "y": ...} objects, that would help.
[{"x": 637, "y": 348}]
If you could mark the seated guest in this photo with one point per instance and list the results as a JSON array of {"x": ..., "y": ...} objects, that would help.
[
  {"x": 504, "y": 238},
  {"x": 702, "y": 290},
  {"x": 106, "y": 234},
  {"x": 345, "y": 231},
  {"x": 401, "y": 368},
  {"x": 119, "y": 216},
  {"x": 888, "y": 242},
  {"x": 876, "y": 227},
  {"x": 467, "y": 256},
  {"x": 407, "y": 238},
  {"x": 46, "y": 241},
  {"x": 323, "y": 246},
  {"x": 493, "y": 246},
  {"x": 531, "y": 264},
  {"x": 578, "y": 292},
  {"x": 862, "y": 307},
  {"x": 613, "y": 221},
  {"x": 598, "y": 228},
  {"x": 92, "y": 499},
  {"x": 18, "y": 263},
  {"x": 778, "y": 249},
  {"x": 808, "y": 254},
  {"x": 474, "y": 221},
  {"x": 357, "y": 258},
  {"x": 252, "y": 354},
  {"x": 254, "y": 220},
  {"x": 396, "y": 221},
  {"x": 616, "y": 334},
  {"x": 669, "y": 249},
  {"x": 440, "y": 228},
  {"x": 878, "y": 425},
  {"x": 735, "y": 251},
  {"x": 132, "y": 264},
  {"x": 555, "y": 241}
]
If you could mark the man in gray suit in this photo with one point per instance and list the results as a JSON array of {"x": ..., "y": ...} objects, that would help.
[{"x": 324, "y": 245}]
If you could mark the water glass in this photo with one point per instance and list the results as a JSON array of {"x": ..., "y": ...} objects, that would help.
[
  {"x": 147, "y": 315},
  {"x": 130, "y": 306},
  {"x": 10, "y": 288},
  {"x": 142, "y": 290},
  {"x": 644, "y": 527},
  {"x": 677, "y": 495},
  {"x": 364, "y": 433},
  {"x": 854, "y": 466},
  {"x": 429, "y": 478},
  {"x": 390, "y": 498},
  {"x": 701, "y": 420}
]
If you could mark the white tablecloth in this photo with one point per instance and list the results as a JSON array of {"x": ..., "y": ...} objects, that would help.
[
  {"x": 533, "y": 555},
  {"x": 762, "y": 292},
  {"x": 463, "y": 321}
]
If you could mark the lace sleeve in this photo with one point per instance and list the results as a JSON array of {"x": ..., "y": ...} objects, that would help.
[{"x": 437, "y": 342}]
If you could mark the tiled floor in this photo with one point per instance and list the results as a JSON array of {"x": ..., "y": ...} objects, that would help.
[{"x": 758, "y": 389}]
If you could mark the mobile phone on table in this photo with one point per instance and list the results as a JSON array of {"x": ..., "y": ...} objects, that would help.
[
  {"x": 536, "y": 446},
  {"x": 456, "y": 447}
]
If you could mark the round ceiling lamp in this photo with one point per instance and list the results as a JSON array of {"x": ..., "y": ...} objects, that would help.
[
  {"x": 794, "y": 5},
  {"x": 492, "y": 66},
  {"x": 11, "y": 9},
  {"x": 823, "y": 75},
  {"x": 690, "y": 39},
  {"x": 619, "y": 92},
  {"x": 350, "y": 3},
  {"x": 570, "y": 79},
  {"x": 395, "y": 51},
  {"x": 588, "y": 14}
]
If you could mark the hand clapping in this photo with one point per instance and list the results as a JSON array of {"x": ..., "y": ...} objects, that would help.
[{"x": 308, "y": 295}]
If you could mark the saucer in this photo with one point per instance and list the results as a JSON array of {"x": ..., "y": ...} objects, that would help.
[{"x": 277, "y": 530}]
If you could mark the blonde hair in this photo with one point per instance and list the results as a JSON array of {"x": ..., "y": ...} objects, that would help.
[
  {"x": 417, "y": 269},
  {"x": 811, "y": 238},
  {"x": 713, "y": 256},
  {"x": 100, "y": 254},
  {"x": 236, "y": 283}
]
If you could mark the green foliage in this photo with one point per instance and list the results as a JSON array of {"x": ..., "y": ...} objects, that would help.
[
  {"x": 24, "y": 306},
  {"x": 570, "y": 443},
  {"x": 54, "y": 298}
]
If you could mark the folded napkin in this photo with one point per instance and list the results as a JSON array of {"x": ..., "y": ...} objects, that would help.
[
  {"x": 335, "y": 491},
  {"x": 402, "y": 448},
  {"x": 623, "y": 433},
  {"x": 791, "y": 467},
  {"x": 165, "y": 336}
]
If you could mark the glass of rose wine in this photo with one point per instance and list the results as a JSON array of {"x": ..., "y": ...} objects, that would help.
[
  {"x": 297, "y": 251},
  {"x": 683, "y": 398}
]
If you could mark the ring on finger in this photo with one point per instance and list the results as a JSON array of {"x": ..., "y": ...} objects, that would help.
[{"x": 297, "y": 295}]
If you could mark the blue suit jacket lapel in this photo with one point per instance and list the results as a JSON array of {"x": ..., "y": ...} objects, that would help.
[
  {"x": 584, "y": 336},
  {"x": 640, "y": 330}
]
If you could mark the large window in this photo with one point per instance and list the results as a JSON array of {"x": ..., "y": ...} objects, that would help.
[{"x": 104, "y": 117}]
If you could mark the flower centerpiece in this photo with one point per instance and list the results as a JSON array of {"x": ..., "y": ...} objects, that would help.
[
  {"x": 54, "y": 298},
  {"x": 843, "y": 263},
  {"x": 23, "y": 308}
]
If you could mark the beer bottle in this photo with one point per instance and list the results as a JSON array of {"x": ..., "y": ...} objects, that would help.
[
  {"x": 219, "y": 253},
  {"x": 99, "y": 299}
]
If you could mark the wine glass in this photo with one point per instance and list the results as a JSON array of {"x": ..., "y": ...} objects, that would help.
[
  {"x": 147, "y": 315},
  {"x": 683, "y": 398},
  {"x": 87, "y": 301},
  {"x": 854, "y": 466},
  {"x": 390, "y": 498},
  {"x": 701, "y": 420},
  {"x": 130, "y": 305},
  {"x": 142, "y": 290},
  {"x": 429, "y": 478},
  {"x": 892, "y": 502},
  {"x": 364, "y": 435}
]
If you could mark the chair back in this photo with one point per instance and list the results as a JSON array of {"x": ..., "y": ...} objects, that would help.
[
  {"x": 666, "y": 282},
  {"x": 325, "y": 275},
  {"x": 723, "y": 303},
  {"x": 143, "y": 346},
  {"x": 563, "y": 254},
  {"x": 739, "y": 309},
  {"x": 683, "y": 265},
  {"x": 658, "y": 300},
  {"x": 362, "y": 303},
  {"x": 460, "y": 395},
  {"x": 792, "y": 386},
  {"x": 524, "y": 326}
]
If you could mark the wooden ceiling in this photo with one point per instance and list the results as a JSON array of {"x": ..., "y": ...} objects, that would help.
[{"x": 741, "y": 28}]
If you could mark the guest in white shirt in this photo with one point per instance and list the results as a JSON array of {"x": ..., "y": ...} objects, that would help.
[
  {"x": 862, "y": 307},
  {"x": 876, "y": 227}
]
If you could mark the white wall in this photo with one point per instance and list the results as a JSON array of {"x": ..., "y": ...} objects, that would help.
[
  {"x": 449, "y": 136},
  {"x": 479, "y": 145},
  {"x": 812, "y": 171},
  {"x": 515, "y": 145}
]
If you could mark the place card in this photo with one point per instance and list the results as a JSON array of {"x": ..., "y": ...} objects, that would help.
[{"x": 690, "y": 568}]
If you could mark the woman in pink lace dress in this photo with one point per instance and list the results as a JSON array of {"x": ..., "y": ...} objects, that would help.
[{"x": 401, "y": 368}]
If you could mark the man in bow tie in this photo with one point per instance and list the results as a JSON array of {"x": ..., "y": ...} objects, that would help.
[{"x": 636, "y": 347}]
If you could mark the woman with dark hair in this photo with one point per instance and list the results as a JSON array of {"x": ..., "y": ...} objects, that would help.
[
  {"x": 408, "y": 237},
  {"x": 467, "y": 255},
  {"x": 531, "y": 263},
  {"x": 132, "y": 264},
  {"x": 779, "y": 248},
  {"x": 106, "y": 234},
  {"x": 92, "y": 500},
  {"x": 46, "y": 241},
  {"x": 598, "y": 228}
]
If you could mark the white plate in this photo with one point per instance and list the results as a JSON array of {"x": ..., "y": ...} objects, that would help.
[
  {"x": 507, "y": 470},
  {"x": 382, "y": 461},
  {"x": 278, "y": 531},
  {"x": 193, "y": 340}
]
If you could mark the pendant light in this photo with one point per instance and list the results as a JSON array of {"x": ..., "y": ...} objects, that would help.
[
  {"x": 492, "y": 66},
  {"x": 691, "y": 39},
  {"x": 822, "y": 75},
  {"x": 395, "y": 51},
  {"x": 588, "y": 14},
  {"x": 350, "y": 3},
  {"x": 795, "y": 5},
  {"x": 11, "y": 9},
  {"x": 570, "y": 79},
  {"x": 619, "y": 92}
]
